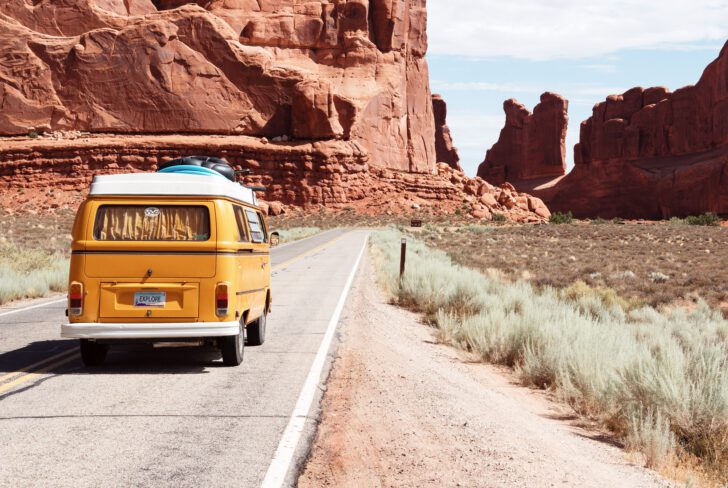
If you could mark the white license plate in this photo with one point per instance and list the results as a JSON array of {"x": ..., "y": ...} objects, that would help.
[{"x": 150, "y": 299}]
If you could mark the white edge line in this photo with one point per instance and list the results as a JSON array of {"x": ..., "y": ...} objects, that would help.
[
  {"x": 283, "y": 457},
  {"x": 40, "y": 305}
]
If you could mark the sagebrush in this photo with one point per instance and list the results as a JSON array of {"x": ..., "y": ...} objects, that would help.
[
  {"x": 28, "y": 273},
  {"x": 658, "y": 380}
]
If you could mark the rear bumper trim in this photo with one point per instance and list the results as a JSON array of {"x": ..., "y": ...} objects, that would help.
[{"x": 149, "y": 330}]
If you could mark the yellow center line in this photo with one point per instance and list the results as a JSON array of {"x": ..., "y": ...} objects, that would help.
[
  {"x": 316, "y": 249},
  {"x": 26, "y": 369},
  {"x": 36, "y": 374}
]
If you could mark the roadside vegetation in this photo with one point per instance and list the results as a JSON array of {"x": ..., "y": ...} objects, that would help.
[
  {"x": 656, "y": 264},
  {"x": 296, "y": 233},
  {"x": 29, "y": 273},
  {"x": 708, "y": 219},
  {"x": 657, "y": 380},
  {"x": 561, "y": 218}
]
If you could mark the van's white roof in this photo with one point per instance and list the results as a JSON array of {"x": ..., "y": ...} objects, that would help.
[{"x": 168, "y": 184}]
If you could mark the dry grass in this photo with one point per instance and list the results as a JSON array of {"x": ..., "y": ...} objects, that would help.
[
  {"x": 652, "y": 264},
  {"x": 34, "y": 254},
  {"x": 30, "y": 273},
  {"x": 297, "y": 233},
  {"x": 51, "y": 233},
  {"x": 658, "y": 380}
]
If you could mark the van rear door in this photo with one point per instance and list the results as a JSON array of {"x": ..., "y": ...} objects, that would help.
[{"x": 150, "y": 257}]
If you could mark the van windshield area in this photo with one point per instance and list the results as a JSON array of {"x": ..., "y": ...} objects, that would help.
[{"x": 152, "y": 223}]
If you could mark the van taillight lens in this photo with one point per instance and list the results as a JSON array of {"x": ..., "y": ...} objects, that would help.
[
  {"x": 75, "y": 299},
  {"x": 221, "y": 299}
]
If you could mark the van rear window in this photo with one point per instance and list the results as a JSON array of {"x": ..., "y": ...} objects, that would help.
[{"x": 152, "y": 223}]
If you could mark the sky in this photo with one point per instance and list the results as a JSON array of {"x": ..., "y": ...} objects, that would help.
[{"x": 483, "y": 52}]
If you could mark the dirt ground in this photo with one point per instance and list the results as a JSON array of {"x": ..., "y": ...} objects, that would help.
[
  {"x": 402, "y": 411},
  {"x": 49, "y": 232},
  {"x": 652, "y": 263}
]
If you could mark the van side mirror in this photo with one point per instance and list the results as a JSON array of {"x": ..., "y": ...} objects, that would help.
[{"x": 275, "y": 239}]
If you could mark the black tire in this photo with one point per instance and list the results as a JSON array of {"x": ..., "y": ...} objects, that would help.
[
  {"x": 232, "y": 349},
  {"x": 256, "y": 330},
  {"x": 92, "y": 353}
]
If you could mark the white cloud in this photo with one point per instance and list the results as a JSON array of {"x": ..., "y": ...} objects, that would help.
[
  {"x": 483, "y": 86},
  {"x": 606, "y": 69},
  {"x": 568, "y": 29},
  {"x": 575, "y": 90}
]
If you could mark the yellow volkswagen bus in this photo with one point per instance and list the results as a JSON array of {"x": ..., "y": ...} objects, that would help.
[{"x": 177, "y": 257}]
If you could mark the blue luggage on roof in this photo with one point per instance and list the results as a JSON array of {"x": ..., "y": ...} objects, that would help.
[{"x": 199, "y": 165}]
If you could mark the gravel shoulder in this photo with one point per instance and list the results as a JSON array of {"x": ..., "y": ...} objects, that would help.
[{"x": 402, "y": 410}]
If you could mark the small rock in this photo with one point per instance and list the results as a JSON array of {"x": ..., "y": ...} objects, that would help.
[{"x": 275, "y": 208}]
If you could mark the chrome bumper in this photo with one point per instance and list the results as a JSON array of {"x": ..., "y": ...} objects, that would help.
[{"x": 149, "y": 331}]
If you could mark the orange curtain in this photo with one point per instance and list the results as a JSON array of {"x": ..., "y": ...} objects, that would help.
[{"x": 149, "y": 223}]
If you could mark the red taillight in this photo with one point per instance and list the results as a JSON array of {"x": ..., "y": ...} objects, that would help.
[
  {"x": 221, "y": 299},
  {"x": 75, "y": 299}
]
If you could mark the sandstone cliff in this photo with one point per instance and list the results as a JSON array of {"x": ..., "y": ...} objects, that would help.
[
  {"x": 644, "y": 154},
  {"x": 327, "y": 102},
  {"x": 50, "y": 173},
  {"x": 650, "y": 153},
  {"x": 445, "y": 151},
  {"x": 312, "y": 71},
  {"x": 531, "y": 145}
]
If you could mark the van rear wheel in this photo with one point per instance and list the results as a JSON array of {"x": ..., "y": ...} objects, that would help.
[
  {"x": 93, "y": 353},
  {"x": 232, "y": 349},
  {"x": 256, "y": 331}
]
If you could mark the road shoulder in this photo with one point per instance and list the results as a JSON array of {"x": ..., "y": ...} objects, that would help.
[{"x": 402, "y": 410}]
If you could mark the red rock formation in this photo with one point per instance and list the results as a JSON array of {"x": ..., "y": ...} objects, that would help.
[
  {"x": 45, "y": 174},
  {"x": 530, "y": 146},
  {"x": 340, "y": 89},
  {"x": 653, "y": 154},
  {"x": 323, "y": 71},
  {"x": 444, "y": 149}
]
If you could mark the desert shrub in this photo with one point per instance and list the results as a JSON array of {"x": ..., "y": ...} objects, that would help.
[
  {"x": 657, "y": 379},
  {"x": 599, "y": 221},
  {"x": 650, "y": 434},
  {"x": 596, "y": 300},
  {"x": 297, "y": 233},
  {"x": 707, "y": 219},
  {"x": 658, "y": 277},
  {"x": 30, "y": 273},
  {"x": 33, "y": 135},
  {"x": 561, "y": 218},
  {"x": 500, "y": 218},
  {"x": 477, "y": 229}
]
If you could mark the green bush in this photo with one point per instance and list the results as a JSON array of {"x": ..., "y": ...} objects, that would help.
[
  {"x": 33, "y": 135},
  {"x": 657, "y": 379},
  {"x": 707, "y": 219},
  {"x": 561, "y": 218},
  {"x": 500, "y": 218}
]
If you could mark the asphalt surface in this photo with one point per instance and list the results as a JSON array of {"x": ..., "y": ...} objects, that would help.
[{"x": 167, "y": 417}]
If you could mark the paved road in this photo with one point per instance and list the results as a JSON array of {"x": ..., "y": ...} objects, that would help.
[{"x": 174, "y": 417}]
